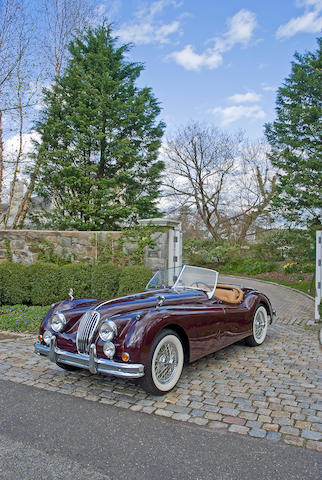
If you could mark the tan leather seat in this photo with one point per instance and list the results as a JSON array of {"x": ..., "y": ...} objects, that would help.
[{"x": 229, "y": 294}]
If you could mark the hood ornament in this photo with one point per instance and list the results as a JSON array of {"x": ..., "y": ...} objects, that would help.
[
  {"x": 161, "y": 300},
  {"x": 71, "y": 294}
]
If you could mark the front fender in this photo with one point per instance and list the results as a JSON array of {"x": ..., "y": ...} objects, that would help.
[{"x": 139, "y": 335}]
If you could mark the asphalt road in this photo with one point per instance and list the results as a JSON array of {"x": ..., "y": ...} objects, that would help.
[{"x": 47, "y": 435}]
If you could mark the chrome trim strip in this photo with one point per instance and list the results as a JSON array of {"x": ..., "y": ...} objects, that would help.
[{"x": 127, "y": 370}]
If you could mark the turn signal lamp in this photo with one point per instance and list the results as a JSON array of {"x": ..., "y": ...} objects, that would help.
[{"x": 125, "y": 357}]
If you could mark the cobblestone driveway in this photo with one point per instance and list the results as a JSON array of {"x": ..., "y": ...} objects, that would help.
[{"x": 273, "y": 391}]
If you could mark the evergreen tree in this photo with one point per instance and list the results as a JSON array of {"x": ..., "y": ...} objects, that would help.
[
  {"x": 99, "y": 139},
  {"x": 295, "y": 138}
]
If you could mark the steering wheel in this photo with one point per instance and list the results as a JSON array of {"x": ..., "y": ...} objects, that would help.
[{"x": 208, "y": 287}]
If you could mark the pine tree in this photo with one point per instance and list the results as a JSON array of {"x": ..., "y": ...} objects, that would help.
[
  {"x": 295, "y": 138},
  {"x": 99, "y": 139}
]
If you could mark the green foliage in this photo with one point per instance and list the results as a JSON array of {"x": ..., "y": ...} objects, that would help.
[
  {"x": 105, "y": 280},
  {"x": 293, "y": 245},
  {"x": 134, "y": 279},
  {"x": 250, "y": 266},
  {"x": 14, "y": 283},
  {"x": 8, "y": 250},
  {"x": 129, "y": 248},
  {"x": 21, "y": 318},
  {"x": 44, "y": 283},
  {"x": 78, "y": 277},
  {"x": 295, "y": 139},
  {"x": 47, "y": 253},
  {"x": 202, "y": 252},
  {"x": 98, "y": 152}
]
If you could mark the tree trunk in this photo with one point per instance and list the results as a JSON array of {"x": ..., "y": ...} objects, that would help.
[
  {"x": 18, "y": 159},
  {"x": 24, "y": 207},
  {"x": 1, "y": 158}
]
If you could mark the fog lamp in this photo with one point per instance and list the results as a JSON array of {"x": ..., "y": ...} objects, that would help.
[
  {"x": 47, "y": 336},
  {"x": 109, "y": 349}
]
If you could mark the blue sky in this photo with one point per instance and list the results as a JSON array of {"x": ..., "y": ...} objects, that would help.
[{"x": 216, "y": 61}]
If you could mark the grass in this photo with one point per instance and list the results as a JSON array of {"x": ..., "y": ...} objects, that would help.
[
  {"x": 22, "y": 318},
  {"x": 304, "y": 286}
]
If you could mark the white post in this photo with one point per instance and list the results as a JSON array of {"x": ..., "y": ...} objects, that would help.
[{"x": 318, "y": 274}]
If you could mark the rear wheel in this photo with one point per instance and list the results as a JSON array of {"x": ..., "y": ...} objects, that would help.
[
  {"x": 260, "y": 324},
  {"x": 165, "y": 364}
]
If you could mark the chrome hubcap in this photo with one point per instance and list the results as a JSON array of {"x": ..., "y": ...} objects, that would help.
[
  {"x": 259, "y": 325},
  {"x": 166, "y": 362}
]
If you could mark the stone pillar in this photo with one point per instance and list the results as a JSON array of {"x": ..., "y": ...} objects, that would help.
[{"x": 167, "y": 251}]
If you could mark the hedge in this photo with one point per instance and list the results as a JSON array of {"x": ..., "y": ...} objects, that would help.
[
  {"x": 14, "y": 284},
  {"x": 105, "y": 280},
  {"x": 46, "y": 283},
  {"x": 78, "y": 277},
  {"x": 134, "y": 279}
]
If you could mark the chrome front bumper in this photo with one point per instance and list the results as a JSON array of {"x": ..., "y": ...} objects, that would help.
[{"x": 90, "y": 362}]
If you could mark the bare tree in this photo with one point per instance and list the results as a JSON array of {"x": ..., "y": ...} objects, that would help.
[
  {"x": 63, "y": 18},
  {"x": 9, "y": 11},
  {"x": 219, "y": 175}
]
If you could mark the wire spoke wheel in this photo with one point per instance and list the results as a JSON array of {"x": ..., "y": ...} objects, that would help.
[{"x": 165, "y": 364}]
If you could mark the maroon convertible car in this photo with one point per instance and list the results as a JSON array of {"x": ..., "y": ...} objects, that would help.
[{"x": 181, "y": 316}]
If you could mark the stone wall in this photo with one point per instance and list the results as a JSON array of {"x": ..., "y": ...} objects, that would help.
[{"x": 25, "y": 245}]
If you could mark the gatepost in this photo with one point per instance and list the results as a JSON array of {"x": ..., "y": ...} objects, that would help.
[{"x": 167, "y": 251}]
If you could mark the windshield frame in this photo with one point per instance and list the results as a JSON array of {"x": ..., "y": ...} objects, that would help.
[
  {"x": 176, "y": 285},
  {"x": 209, "y": 294}
]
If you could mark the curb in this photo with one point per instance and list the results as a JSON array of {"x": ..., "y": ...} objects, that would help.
[{"x": 272, "y": 283}]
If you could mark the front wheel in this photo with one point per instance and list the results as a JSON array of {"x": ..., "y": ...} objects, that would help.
[
  {"x": 165, "y": 364},
  {"x": 260, "y": 324}
]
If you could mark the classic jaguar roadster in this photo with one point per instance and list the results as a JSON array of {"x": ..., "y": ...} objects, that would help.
[{"x": 181, "y": 316}]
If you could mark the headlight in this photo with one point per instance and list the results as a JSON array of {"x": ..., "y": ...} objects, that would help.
[
  {"x": 109, "y": 349},
  {"x": 108, "y": 330},
  {"x": 47, "y": 336},
  {"x": 58, "y": 322}
]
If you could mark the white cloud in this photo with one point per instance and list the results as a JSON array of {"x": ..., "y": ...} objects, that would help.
[
  {"x": 268, "y": 88},
  {"x": 240, "y": 30},
  {"x": 146, "y": 28},
  {"x": 236, "y": 112},
  {"x": 191, "y": 60},
  {"x": 249, "y": 97},
  {"x": 309, "y": 22}
]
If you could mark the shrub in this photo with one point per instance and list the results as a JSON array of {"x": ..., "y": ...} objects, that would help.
[
  {"x": 251, "y": 267},
  {"x": 78, "y": 277},
  {"x": 134, "y": 279},
  {"x": 206, "y": 252},
  {"x": 14, "y": 283},
  {"x": 45, "y": 283},
  {"x": 105, "y": 280},
  {"x": 294, "y": 245}
]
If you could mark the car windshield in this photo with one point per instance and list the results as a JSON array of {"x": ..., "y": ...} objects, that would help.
[{"x": 186, "y": 277}]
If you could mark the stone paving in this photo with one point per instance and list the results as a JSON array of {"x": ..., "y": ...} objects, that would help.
[{"x": 273, "y": 391}]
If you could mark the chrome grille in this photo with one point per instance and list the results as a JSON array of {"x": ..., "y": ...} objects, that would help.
[{"x": 86, "y": 329}]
